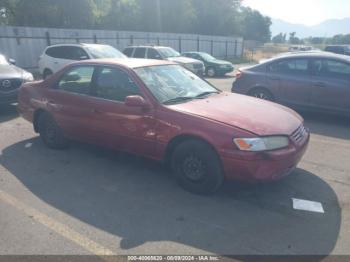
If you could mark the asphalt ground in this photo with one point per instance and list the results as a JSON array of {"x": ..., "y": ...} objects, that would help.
[{"x": 91, "y": 201}]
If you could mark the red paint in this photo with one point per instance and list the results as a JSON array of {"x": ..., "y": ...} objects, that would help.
[{"x": 146, "y": 127}]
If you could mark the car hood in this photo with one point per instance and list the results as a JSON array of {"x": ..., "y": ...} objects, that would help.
[
  {"x": 10, "y": 71},
  {"x": 183, "y": 60},
  {"x": 260, "y": 117},
  {"x": 220, "y": 62}
]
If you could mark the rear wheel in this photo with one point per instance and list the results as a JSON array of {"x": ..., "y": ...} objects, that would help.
[
  {"x": 262, "y": 94},
  {"x": 197, "y": 167},
  {"x": 50, "y": 132}
]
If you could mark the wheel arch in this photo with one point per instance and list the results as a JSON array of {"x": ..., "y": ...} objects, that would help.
[
  {"x": 37, "y": 114},
  {"x": 177, "y": 140}
]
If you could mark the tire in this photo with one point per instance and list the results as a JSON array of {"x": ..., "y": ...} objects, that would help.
[
  {"x": 210, "y": 71},
  {"x": 47, "y": 73},
  {"x": 262, "y": 93},
  {"x": 50, "y": 132},
  {"x": 197, "y": 167}
]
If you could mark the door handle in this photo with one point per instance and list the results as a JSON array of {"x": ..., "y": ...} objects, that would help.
[{"x": 96, "y": 111}]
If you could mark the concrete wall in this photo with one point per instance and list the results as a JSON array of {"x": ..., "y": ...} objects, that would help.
[{"x": 26, "y": 44}]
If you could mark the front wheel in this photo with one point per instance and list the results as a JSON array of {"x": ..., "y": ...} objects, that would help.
[
  {"x": 211, "y": 72},
  {"x": 50, "y": 132},
  {"x": 197, "y": 167}
]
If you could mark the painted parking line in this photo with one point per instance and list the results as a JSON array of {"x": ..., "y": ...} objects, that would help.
[
  {"x": 61, "y": 229},
  {"x": 306, "y": 205}
]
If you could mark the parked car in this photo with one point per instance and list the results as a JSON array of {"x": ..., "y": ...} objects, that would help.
[
  {"x": 56, "y": 57},
  {"x": 338, "y": 49},
  {"x": 300, "y": 48},
  {"x": 317, "y": 81},
  {"x": 165, "y": 53},
  {"x": 160, "y": 110},
  {"x": 11, "y": 78},
  {"x": 213, "y": 66}
]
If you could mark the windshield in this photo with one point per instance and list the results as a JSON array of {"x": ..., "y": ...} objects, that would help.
[
  {"x": 104, "y": 51},
  {"x": 168, "y": 52},
  {"x": 3, "y": 60},
  {"x": 170, "y": 82},
  {"x": 207, "y": 57}
]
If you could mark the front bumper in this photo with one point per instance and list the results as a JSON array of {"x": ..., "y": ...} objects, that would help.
[
  {"x": 9, "y": 98},
  {"x": 264, "y": 166}
]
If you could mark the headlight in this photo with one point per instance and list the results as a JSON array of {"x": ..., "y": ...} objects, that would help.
[
  {"x": 28, "y": 77},
  {"x": 262, "y": 143}
]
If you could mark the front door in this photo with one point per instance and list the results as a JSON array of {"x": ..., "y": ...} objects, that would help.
[
  {"x": 117, "y": 125},
  {"x": 331, "y": 84}
]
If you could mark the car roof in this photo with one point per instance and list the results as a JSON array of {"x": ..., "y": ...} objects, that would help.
[
  {"x": 310, "y": 54},
  {"x": 77, "y": 44},
  {"x": 127, "y": 62},
  {"x": 147, "y": 46}
]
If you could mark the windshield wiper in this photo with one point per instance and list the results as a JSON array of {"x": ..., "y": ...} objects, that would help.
[
  {"x": 177, "y": 100},
  {"x": 205, "y": 94}
]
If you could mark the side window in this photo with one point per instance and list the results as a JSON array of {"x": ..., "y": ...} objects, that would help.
[
  {"x": 153, "y": 54},
  {"x": 77, "y": 80},
  {"x": 331, "y": 68},
  {"x": 56, "y": 52},
  {"x": 76, "y": 53},
  {"x": 115, "y": 84},
  {"x": 140, "y": 52},
  {"x": 128, "y": 51},
  {"x": 290, "y": 67}
]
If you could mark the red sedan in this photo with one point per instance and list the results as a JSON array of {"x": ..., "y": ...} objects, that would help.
[{"x": 162, "y": 111}]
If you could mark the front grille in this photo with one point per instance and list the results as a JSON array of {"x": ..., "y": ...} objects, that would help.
[
  {"x": 8, "y": 85},
  {"x": 299, "y": 134}
]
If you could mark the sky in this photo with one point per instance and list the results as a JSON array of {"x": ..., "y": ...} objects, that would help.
[{"x": 307, "y": 12}]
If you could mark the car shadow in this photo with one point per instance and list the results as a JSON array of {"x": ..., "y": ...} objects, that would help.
[
  {"x": 7, "y": 113},
  {"x": 138, "y": 201},
  {"x": 331, "y": 125}
]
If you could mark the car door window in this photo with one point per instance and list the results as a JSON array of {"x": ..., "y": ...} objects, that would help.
[
  {"x": 77, "y": 80},
  {"x": 128, "y": 52},
  {"x": 76, "y": 53},
  {"x": 153, "y": 54},
  {"x": 56, "y": 52},
  {"x": 291, "y": 67},
  {"x": 140, "y": 52},
  {"x": 331, "y": 68},
  {"x": 114, "y": 84}
]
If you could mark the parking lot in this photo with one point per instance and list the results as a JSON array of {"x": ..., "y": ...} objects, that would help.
[{"x": 88, "y": 200}]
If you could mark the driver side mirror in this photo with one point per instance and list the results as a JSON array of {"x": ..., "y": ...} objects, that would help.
[
  {"x": 72, "y": 78},
  {"x": 12, "y": 61},
  {"x": 136, "y": 101}
]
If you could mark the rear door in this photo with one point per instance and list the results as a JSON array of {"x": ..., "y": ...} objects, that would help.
[
  {"x": 293, "y": 78},
  {"x": 70, "y": 103},
  {"x": 331, "y": 84},
  {"x": 127, "y": 128},
  {"x": 140, "y": 52}
]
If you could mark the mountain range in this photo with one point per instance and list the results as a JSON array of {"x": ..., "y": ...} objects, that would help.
[{"x": 327, "y": 28}]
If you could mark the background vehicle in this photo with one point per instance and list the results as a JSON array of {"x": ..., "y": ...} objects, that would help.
[
  {"x": 165, "y": 53},
  {"x": 11, "y": 78},
  {"x": 57, "y": 56},
  {"x": 160, "y": 110},
  {"x": 338, "y": 49},
  {"x": 213, "y": 66},
  {"x": 318, "y": 81}
]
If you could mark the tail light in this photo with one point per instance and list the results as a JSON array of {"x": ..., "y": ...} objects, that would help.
[{"x": 239, "y": 74}]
